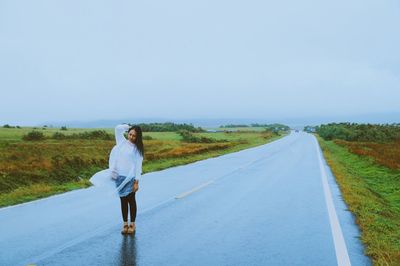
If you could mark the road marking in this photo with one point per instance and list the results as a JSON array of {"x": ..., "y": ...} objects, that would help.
[
  {"x": 212, "y": 181},
  {"x": 193, "y": 190},
  {"x": 342, "y": 255},
  {"x": 221, "y": 177}
]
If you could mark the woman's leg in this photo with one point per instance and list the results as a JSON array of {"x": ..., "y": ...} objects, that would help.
[
  {"x": 132, "y": 206},
  {"x": 124, "y": 208}
]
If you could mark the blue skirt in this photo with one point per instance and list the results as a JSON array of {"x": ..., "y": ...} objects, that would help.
[{"x": 127, "y": 189}]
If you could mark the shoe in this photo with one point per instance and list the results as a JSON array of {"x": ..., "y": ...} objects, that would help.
[
  {"x": 125, "y": 229},
  {"x": 131, "y": 228}
]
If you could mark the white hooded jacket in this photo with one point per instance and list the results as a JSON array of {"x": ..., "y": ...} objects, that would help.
[{"x": 124, "y": 160}]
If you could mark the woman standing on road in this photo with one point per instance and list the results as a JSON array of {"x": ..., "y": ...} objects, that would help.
[{"x": 126, "y": 168}]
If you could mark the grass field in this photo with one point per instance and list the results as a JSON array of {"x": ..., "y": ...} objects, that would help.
[
  {"x": 386, "y": 154},
  {"x": 34, "y": 169},
  {"x": 369, "y": 179}
]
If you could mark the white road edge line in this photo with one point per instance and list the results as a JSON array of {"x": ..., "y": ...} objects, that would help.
[
  {"x": 193, "y": 190},
  {"x": 342, "y": 255}
]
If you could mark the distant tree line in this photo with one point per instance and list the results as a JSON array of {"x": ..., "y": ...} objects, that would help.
[
  {"x": 8, "y": 126},
  {"x": 233, "y": 125},
  {"x": 309, "y": 129},
  {"x": 359, "y": 132},
  {"x": 273, "y": 127},
  {"x": 168, "y": 127}
]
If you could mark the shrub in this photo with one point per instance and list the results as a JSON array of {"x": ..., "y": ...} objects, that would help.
[
  {"x": 97, "y": 134},
  {"x": 34, "y": 135},
  {"x": 58, "y": 135},
  {"x": 63, "y": 128},
  {"x": 189, "y": 137}
]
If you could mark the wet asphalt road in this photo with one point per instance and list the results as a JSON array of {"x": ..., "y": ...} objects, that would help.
[{"x": 260, "y": 206}]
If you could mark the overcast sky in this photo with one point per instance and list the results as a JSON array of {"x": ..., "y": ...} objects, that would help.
[{"x": 84, "y": 60}]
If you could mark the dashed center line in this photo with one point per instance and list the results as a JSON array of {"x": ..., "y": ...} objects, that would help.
[{"x": 194, "y": 190}]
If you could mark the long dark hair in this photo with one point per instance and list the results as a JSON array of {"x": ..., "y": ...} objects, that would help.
[{"x": 139, "y": 139}]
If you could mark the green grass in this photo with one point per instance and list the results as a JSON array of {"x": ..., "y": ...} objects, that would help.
[
  {"x": 372, "y": 193},
  {"x": 163, "y": 135}
]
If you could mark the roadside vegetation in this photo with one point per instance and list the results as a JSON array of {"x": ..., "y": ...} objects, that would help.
[
  {"x": 42, "y": 161},
  {"x": 271, "y": 127},
  {"x": 365, "y": 160},
  {"x": 360, "y": 132}
]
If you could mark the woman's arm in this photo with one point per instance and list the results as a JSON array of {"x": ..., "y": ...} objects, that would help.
[
  {"x": 119, "y": 133},
  {"x": 138, "y": 167},
  {"x": 112, "y": 162}
]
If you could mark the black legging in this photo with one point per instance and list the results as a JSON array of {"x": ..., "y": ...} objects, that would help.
[{"x": 129, "y": 199}]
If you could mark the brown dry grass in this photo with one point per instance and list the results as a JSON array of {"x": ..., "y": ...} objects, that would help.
[
  {"x": 386, "y": 154},
  {"x": 162, "y": 151}
]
